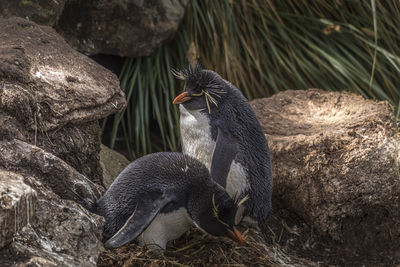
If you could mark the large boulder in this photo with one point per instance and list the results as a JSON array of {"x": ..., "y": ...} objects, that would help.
[
  {"x": 112, "y": 163},
  {"x": 47, "y": 223},
  {"x": 335, "y": 163},
  {"x": 50, "y": 100},
  {"x": 61, "y": 232},
  {"x": 40, "y": 11},
  {"x": 124, "y": 28},
  {"x": 46, "y": 83},
  {"x": 51, "y": 171},
  {"x": 52, "y": 95}
]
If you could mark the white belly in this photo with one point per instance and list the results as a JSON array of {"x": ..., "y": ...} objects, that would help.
[
  {"x": 197, "y": 142},
  {"x": 165, "y": 227}
]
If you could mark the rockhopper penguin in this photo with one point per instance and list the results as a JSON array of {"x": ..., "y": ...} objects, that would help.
[
  {"x": 213, "y": 114},
  {"x": 158, "y": 196}
]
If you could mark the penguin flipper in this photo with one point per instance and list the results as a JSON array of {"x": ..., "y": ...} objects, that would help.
[
  {"x": 225, "y": 152},
  {"x": 145, "y": 212}
]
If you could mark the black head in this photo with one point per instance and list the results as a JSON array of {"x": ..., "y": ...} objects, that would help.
[
  {"x": 203, "y": 88},
  {"x": 217, "y": 215}
]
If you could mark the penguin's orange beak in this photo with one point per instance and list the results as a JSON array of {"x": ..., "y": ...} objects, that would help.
[
  {"x": 181, "y": 98},
  {"x": 235, "y": 235}
]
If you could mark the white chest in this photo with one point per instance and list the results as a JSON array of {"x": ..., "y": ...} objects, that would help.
[
  {"x": 196, "y": 135},
  {"x": 197, "y": 142},
  {"x": 165, "y": 227}
]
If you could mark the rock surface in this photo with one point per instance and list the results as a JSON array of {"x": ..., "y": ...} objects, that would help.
[
  {"x": 50, "y": 170},
  {"x": 17, "y": 202},
  {"x": 50, "y": 99},
  {"x": 40, "y": 11},
  {"x": 112, "y": 163},
  {"x": 51, "y": 95},
  {"x": 124, "y": 28},
  {"x": 335, "y": 162},
  {"x": 60, "y": 231},
  {"x": 46, "y": 84}
]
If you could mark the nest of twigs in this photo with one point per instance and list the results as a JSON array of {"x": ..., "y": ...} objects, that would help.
[{"x": 199, "y": 249}]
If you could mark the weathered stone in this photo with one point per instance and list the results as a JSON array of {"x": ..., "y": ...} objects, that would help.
[
  {"x": 335, "y": 162},
  {"x": 76, "y": 144},
  {"x": 46, "y": 84},
  {"x": 51, "y": 95},
  {"x": 10, "y": 128},
  {"x": 36, "y": 262},
  {"x": 124, "y": 28},
  {"x": 112, "y": 163},
  {"x": 17, "y": 201},
  {"x": 40, "y": 11},
  {"x": 50, "y": 100},
  {"x": 50, "y": 170},
  {"x": 60, "y": 230}
]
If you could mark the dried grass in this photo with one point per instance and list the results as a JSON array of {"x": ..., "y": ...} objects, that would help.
[{"x": 198, "y": 249}]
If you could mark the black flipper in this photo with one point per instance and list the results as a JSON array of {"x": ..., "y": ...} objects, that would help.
[
  {"x": 225, "y": 152},
  {"x": 145, "y": 212}
]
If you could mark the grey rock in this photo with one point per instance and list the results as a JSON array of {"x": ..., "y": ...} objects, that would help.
[
  {"x": 35, "y": 261},
  {"x": 76, "y": 144},
  {"x": 46, "y": 84},
  {"x": 62, "y": 232},
  {"x": 50, "y": 171},
  {"x": 112, "y": 163},
  {"x": 51, "y": 95},
  {"x": 124, "y": 28},
  {"x": 335, "y": 159},
  {"x": 50, "y": 99},
  {"x": 17, "y": 202},
  {"x": 40, "y": 11},
  {"x": 58, "y": 229}
]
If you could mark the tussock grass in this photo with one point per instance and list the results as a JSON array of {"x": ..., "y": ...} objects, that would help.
[
  {"x": 264, "y": 47},
  {"x": 150, "y": 87}
]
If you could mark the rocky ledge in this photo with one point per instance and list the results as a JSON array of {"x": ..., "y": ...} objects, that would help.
[
  {"x": 336, "y": 163},
  {"x": 50, "y": 100}
]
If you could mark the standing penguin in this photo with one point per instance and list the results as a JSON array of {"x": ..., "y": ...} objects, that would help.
[
  {"x": 214, "y": 113},
  {"x": 158, "y": 196}
]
